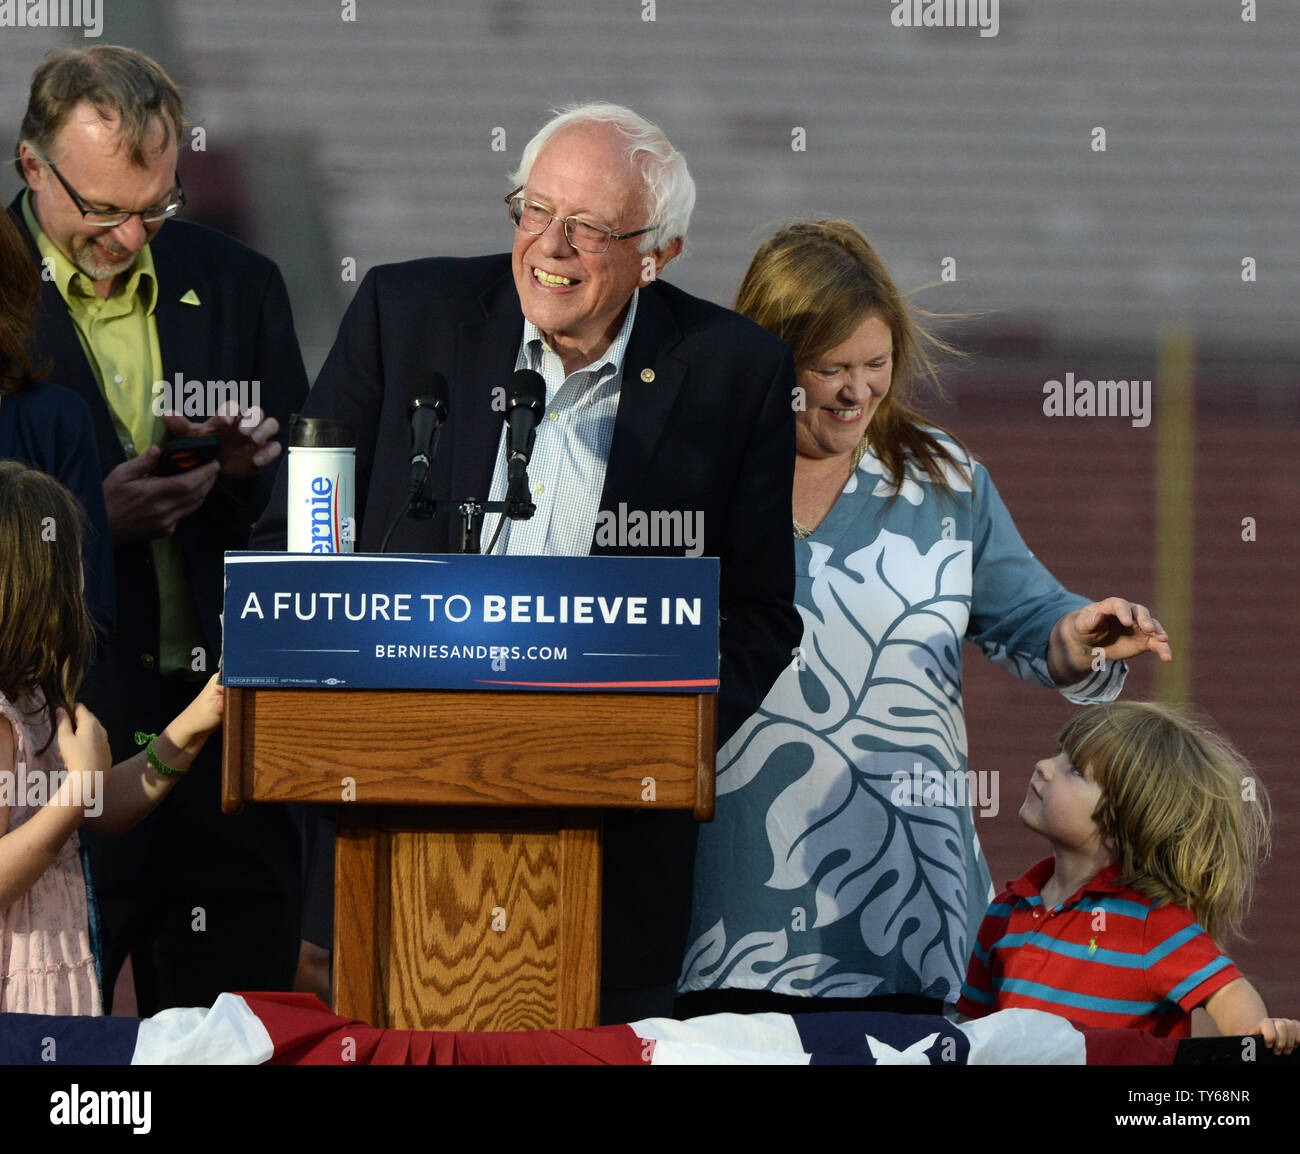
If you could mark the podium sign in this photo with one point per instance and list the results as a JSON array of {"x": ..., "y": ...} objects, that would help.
[{"x": 371, "y": 621}]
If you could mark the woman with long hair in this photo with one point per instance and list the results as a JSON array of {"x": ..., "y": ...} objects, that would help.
[{"x": 843, "y": 864}]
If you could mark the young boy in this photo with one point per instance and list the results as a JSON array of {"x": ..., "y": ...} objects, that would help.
[{"x": 1147, "y": 823}]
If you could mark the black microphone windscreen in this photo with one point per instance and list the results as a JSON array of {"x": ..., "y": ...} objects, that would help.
[
  {"x": 427, "y": 383},
  {"x": 529, "y": 384},
  {"x": 428, "y": 389}
]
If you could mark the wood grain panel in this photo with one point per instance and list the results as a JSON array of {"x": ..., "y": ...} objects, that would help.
[
  {"x": 495, "y": 929},
  {"x": 362, "y": 926},
  {"x": 578, "y": 751},
  {"x": 580, "y": 922},
  {"x": 233, "y": 759}
]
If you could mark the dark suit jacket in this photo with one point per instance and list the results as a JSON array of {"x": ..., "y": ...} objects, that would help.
[
  {"x": 712, "y": 429},
  {"x": 52, "y": 430},
  {"x": 242, "y": 329}
]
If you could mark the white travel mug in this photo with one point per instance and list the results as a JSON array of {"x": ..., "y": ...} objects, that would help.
[{"x": 322, "y": 468}]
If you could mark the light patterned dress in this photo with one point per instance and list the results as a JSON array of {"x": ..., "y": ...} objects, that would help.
[
  {"x": 46, "y": 962},
  {"x": 844, "y": 861}
]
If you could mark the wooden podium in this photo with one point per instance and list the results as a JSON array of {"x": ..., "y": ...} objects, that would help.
[{"x": 468, "y": 857}]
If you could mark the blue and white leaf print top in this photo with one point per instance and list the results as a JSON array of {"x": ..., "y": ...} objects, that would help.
[{"x": 843, "y": 861}]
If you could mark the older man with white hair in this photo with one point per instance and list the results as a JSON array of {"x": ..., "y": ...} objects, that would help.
[{"x": 655, "y": 399}]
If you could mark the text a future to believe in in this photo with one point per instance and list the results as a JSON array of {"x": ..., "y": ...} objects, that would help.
[{"x": 494, "y": 608}]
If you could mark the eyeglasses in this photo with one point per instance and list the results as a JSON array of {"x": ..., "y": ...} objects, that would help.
[
  {"x": 112, "y": 217},
  {"x": 582, "y": 234}
]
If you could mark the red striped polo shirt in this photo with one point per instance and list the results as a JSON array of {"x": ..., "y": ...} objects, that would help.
[{"x": 1104, "y": 957}]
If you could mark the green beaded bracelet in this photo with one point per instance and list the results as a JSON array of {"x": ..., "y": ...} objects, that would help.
[{"x": 156, "y": 763}]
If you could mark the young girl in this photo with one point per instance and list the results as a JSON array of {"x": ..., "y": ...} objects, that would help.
[
  {"x": 53, "y": 774},
  {"x": 1157, "y": 826}
]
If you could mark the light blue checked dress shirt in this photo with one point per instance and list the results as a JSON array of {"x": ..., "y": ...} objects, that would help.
[{"x": 571, "y": 452}]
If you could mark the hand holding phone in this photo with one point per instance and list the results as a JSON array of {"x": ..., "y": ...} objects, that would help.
[{"x": 185, "y": 453}]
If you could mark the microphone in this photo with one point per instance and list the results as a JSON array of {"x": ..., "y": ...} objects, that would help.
[
  {"x": 524, "y": 410},
  {"x": 426, "y": 410}
]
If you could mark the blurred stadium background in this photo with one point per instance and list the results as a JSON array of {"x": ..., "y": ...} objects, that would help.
[{"x": 371, "y": 140}]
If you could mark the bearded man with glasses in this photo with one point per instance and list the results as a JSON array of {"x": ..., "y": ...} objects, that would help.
[
  {"x": 655, "y": 400},
  {"x": 129, "y": 301}
]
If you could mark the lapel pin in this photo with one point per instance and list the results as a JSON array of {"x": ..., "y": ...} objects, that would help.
[
  {"x": 647, "y": 375},
  {"x": 190, "y": 298}
]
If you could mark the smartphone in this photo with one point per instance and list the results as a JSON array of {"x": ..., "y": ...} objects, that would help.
[{"x": 184, "y": 454}]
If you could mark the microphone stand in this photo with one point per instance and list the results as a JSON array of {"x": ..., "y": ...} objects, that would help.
[{"x": 517, "y": 506}]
